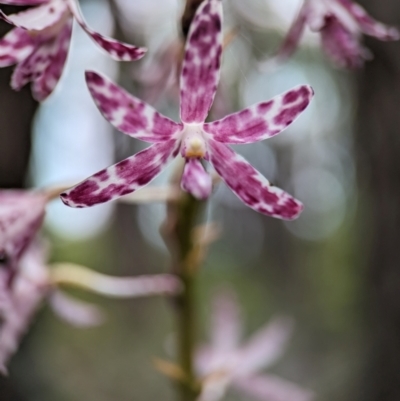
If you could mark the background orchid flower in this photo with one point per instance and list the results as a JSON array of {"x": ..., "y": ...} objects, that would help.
[
  {"x": 341, "y": 24},
  {"x": 194, "y": 139},
  {"x": 225, "y": 362},
  {"x": 21, "y": 216},
  {"x": 40, "y": 41},
  {"x": 34, "y": 282}
]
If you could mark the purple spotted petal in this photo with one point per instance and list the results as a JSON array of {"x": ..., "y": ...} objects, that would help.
[
  {"x": 17, "y": 45},
  {"x": 250, "y": 186},
  {"x": 45, "y": 65},
  {"x": 368, "y": 24},
  {"x": 129, "y": 114},
  {"x": 265, "y": 347},
  {"x": 293, "y": 37},
  {"x": 263, "y": 120},
  {"x": 122, "y": 178},
  {"x": 201, "y": 64},
  {"x": 117, "y": 50},
  {"x": 271, "y": 388},
  {"x": 342, "y": 46},
  {"x": 196, "y": 180},
  {"x": 21, "y": 215},
  {"x": 38, "y": 19},
  {"x": 226, "y": 324}
]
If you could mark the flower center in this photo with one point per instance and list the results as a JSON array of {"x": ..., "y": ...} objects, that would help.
[{"x": 193, "y": 142}]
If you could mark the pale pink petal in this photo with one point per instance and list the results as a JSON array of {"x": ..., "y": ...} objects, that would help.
[
  {"x": 75, "y": 312},
  {"x": 111, "y": 286},
  {"x": 39, "y": 18},
  {"x": 196, "y": 180},
  {"x": 129, "y": 114},
  {"x": 226, "y": 324},
  {"x": 122, "y": 178},
  {"x": 202, "y": 61},
  {"x": 21, "y": 215},
  {"x": 271, "y": 388},
  {"x": 117, "y": 50},
  {"x": 45, "y": 65},
  {"x": 262, "y": 120},
  {"x": 293, "y": 37},
  {"x": 250, "y": 185},
  {"x": 342, "y": 46},
  {"x": 265, "y": 347},
  {"x": 15, "y": 47},
  {"x": 368, "y": 24}
]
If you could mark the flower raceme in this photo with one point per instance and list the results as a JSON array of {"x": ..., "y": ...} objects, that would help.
[
  {"x": 192, "y": 138},
  {"x": 39, "y": 43},
  {"x": 341, "y": 24}
]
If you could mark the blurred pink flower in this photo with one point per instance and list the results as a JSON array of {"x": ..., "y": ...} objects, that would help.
[
  {"x": 26, "y": 279},
  {"x": 341, "y": 24},
  {"x": 226, "y": 363},
  {"x": 40, "y": 41},
  {"x": 21, "y": 216},
  {"x": 193, "y": 138}
]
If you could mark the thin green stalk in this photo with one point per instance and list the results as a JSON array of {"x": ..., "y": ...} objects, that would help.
[{"x": 187, "y": 217}]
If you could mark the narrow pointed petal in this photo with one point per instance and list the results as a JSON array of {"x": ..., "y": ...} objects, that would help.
[
  {"x": 39, "y": 18},
  {"x": 226, "y": 324},
  {"x": 129, "y": 114},
  {"x": 45, "y": 65},
  {"x": 119, "y": 287},
  {"x": 202, "y": 61},
  {"x": 369, "y": 25},
  {"x": 21, "y": 215},
  {"x": 251, "y": 186},
  {"x": 15, "y": 47},
  {"x": 196, "y": 180},
  {"x": 271, "y": 388},
  {"x": 293, "y": 37},
  {"x": 75, "y": 312},
  {"x": 262, "y": 120},
  {"x": 122, "y": 178},
  {"x": 266, "y": 346},
  {"x": 117, "y": 50}
]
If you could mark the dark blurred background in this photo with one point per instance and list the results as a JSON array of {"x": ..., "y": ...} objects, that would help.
[{"x": 335, "y": 270}]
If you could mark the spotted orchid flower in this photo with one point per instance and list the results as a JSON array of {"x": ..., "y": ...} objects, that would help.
[
  {"x": 39, "y": 42},
  {"x": 194, "y": 139},
  {"x": 226, "y": 363},
  {"x": 341, "y": 24}
]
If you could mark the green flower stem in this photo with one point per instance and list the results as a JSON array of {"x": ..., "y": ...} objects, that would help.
[{"x": 189, "y": 209}]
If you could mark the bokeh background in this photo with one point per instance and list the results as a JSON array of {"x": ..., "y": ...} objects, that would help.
[{"x": 335, "y": 270}]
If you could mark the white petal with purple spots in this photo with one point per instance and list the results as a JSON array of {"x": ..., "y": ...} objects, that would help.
[
  {"x": 202, "y": 61},
  {"x": 122, "y": 178},
  {"x": 128, "y": 113},
  {"x": 262, "y": 120}
]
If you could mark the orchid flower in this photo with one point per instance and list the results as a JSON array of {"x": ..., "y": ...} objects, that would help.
[
  {"x": 225, "y": 363},
  {"x": 194, "y": 139},
  {"x": 39, "y": 43},
  {"x": 21, "y": 216},
  {"x": 341, "y": 24}
]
